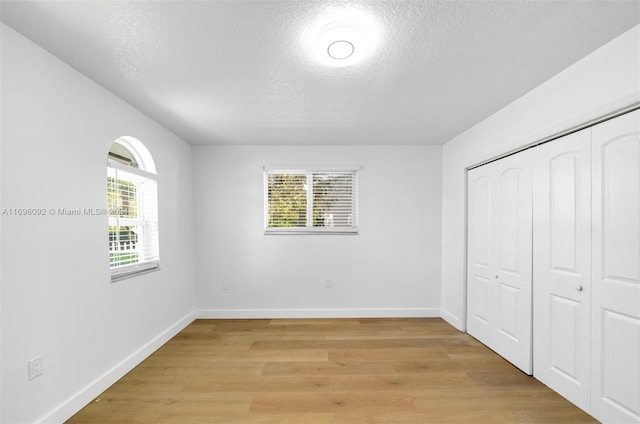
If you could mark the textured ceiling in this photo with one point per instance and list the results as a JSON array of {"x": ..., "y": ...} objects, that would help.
[{"x": 236, "y": 72}]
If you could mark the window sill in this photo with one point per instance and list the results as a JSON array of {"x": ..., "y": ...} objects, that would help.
[
  {"x": 125, "y": 274},
  {"x": 308, "y": 231}
]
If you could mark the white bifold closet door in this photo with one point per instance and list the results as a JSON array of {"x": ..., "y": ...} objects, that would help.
[
  {"x": 566, "y": 212},
  {"x": 562, "y": 266},
  {"x": 615, "y": 381},
  {"x": 586, "y": 267},
  {"x": 499, "y": 257}
]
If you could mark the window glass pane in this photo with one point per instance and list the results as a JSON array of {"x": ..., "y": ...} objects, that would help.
[
  {"x": 287, "y": 200},
  {"x": 122, "y": 202},
  {"x": 119, "y": 153},
  {"x": 122, "y": 198},
  {"x": 123, "y": 245},
  {"x": 333, "y": 200}
]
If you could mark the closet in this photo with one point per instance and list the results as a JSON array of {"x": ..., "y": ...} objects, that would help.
[{"x": 553, "y": 270}]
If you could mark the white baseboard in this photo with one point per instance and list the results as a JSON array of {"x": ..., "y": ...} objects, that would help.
[
  {"x": 79, "y": 400},
  {"x": 453, "y": 320},
  {"x": 318, "y": 313}
]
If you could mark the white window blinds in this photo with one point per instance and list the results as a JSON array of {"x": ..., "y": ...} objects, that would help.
[
  {"x": 310, "y": 201},
  {"x": 133, "y": 220}
]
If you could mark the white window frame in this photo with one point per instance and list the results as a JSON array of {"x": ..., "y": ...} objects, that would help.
[
  {"x": 309, "y": 172},
  {"x": 147, "y": 246}
]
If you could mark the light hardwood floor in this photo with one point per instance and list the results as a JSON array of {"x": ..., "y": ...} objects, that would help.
[{"x": 327, "y": 371}]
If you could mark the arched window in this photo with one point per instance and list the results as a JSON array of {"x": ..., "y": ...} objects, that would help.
[{"x": 132, "y": 209}]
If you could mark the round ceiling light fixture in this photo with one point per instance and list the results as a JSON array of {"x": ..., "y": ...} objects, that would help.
[
  {"x": 342, "y": 37},
  {"x": 340, "y": 50}
]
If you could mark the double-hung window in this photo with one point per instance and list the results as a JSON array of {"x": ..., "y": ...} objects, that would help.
[
  {"x": 310, "y": 201},
  {"x": 132, "y": 213}
]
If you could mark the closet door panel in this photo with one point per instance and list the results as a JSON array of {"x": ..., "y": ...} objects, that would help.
[
  {"x": 499, "y": 258},
  {"x": 616, "y": 270},
  {"x": 562, "y": 266},
  {"x": 513, "y": 260},
  {"x": 480, "y": 240}
]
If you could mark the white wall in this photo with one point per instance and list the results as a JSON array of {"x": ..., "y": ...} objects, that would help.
[
  {"x": 392, "y": 268},
  {"x": 602, "y": 82},
  {"x": 57, "y": 298}
]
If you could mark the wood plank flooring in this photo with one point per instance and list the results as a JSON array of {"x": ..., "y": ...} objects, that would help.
[{"x": 327, "y": 371}]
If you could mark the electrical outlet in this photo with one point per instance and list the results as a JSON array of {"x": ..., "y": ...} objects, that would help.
[
  {"x": 36, "y": 367},
  {"x": 328, "y": 283}
]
